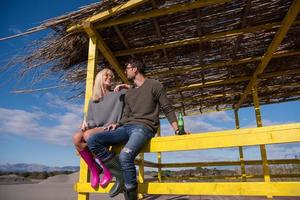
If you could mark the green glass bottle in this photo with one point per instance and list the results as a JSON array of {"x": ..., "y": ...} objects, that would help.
[{"x": 180, "y": 124}]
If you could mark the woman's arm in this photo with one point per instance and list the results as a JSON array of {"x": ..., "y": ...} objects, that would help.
[{"x": 122, "y": 86}]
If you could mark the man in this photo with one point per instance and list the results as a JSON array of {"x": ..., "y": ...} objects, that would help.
[{"x": 138, "y": 125}]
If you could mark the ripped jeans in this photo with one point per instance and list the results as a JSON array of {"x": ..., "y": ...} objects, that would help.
[{"x": 133, "y": 136}]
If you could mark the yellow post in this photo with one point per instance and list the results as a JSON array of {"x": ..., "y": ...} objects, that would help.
[
  {"x": 90, "y": 75},
  {"x": 141, "y": 173},
  {"x": 263, "y": 150},
  {"x": 243, "y": 169},
  {"x": 159, "y": 160}
]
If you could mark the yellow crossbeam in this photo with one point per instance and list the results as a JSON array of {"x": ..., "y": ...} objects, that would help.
[
  {"x": 281, "y": 33},
  {"x": 107, "y": 13},
  {"x": 90, "y": 76},
  {"x": 231, "y": 138},
  {"x": 228, "y": 163},
  {"x": 160, "y": 12},
  {"x": 189, "y": 69},
  {"x": 232, "y": 177},
  {"x": 241, "y": 188},
  {"x": 196, "y": 40},
  {"x": 104, "y": 49},
  {"x": 230, "y": 81}
]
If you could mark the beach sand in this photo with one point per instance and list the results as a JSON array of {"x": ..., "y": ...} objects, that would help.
[{"x": 60, "y": 187}]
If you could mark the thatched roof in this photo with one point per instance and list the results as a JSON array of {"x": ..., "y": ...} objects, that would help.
[{"x": 205, "y": 56}]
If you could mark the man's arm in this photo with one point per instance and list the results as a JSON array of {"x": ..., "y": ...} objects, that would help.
[{"x": 165, "y": 105}]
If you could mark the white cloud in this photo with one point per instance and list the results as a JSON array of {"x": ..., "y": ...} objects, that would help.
[
  {"x": 33, "y": 124},
  {"x": 14, "y": 29},
  {"x": 56, "y": 102},
  {"x": 194, "y": 124},
  {"x": 265, "y": 122},
  {"x": 219, "y": 116},
  {"x": 283, "y": 151}
]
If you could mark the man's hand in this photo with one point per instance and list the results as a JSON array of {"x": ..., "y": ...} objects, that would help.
[
  {"x": 84, "y": 126},
  {"x": 111, "y": 127}
]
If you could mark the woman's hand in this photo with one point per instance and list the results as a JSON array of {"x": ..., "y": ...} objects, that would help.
[
  {"x": 121, "y": 86},
  {"x": 84, "y": 126}
]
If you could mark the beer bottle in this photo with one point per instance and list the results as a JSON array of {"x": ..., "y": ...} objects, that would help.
[{"x": 180, "y": 124}]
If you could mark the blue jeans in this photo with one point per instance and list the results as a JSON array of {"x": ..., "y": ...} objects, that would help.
[{"x": 133, "y": 136}]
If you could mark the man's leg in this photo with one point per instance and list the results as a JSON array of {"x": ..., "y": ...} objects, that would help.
[
  {"x": 99, "y": 142},
  {"x": 139, "y": 136}
]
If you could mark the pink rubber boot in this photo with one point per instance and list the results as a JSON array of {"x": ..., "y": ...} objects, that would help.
[
  {"x": 93, "y": 166},
  {"x": 107, "y": 176}
]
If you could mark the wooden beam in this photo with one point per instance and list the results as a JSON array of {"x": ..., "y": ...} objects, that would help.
[
  {"x": 160, "y": 12},
  {"x": 217, "y": 188},
  {"x": 107, "y": 13},
  {"x": 197, "y": 112},
  {"x": 122, "y": 38},
  {"x": 196, "y": 40},
  {"x": 287, "y": 133},
  {"x": 188, "y": 69},
  {"x": 278, "y": 38},
  {"x": 231, "y": 81},
  {"x": 221, "y": 95},
  {"x": 92, "y": 32},
  {"x": 228, "y": 163}
]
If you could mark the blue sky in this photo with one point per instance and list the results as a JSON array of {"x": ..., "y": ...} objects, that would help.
[{"x": 37, "y": 127}]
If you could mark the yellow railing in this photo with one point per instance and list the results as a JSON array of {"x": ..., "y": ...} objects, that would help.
[{"x": 279, "y": 134}]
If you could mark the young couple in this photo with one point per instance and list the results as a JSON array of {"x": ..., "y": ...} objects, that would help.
[{"x": 128, "y": 115}]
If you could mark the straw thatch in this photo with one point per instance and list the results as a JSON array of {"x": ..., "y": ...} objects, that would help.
[{"x": 203, "y": 63}]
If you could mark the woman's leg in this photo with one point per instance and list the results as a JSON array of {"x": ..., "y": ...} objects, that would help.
[
  {"x": 78, "y": 141},
  {"x": 107, "y": 176},
  {"x": 90, "y": 132},
  {"x": 87, "y": 156},
  {"x": 98, "y": 143}
]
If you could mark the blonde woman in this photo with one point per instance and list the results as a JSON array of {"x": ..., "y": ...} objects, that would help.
[{"x": 105, "y": 107}]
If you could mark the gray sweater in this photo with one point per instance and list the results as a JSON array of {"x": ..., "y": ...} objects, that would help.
[{"x": 108, "y": 110}]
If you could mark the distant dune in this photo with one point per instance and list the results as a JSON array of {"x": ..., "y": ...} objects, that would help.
[{"x": 14, "y": 179}]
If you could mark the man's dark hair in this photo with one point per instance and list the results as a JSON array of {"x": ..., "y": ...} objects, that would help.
[{"x": 134, "y": 62}]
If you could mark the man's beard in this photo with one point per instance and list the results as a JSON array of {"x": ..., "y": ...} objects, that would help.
[{"x": 130, "y": 78}]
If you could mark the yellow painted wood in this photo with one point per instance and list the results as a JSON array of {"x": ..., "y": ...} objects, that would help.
[
  {"x": 241, "y": 153},
  {"x": 159, "y": 172},
  {"x": 141, "y": 173},
  {"x": 104, "y": 49},
  {"x": 278, "y": 38},
  {"x": 227, "y": 163},
  {"x": 160, "y": 12},
  {"x": 90, "y": 76},
  {"x": 222, "y": 188},
  {"x": 196, "y": 40},
  {"x": 231, "y": 138},
  {"x": 263, "y": 150},
  {"x": 230, "y": 177},
  {"x": 107, "y": 13}
]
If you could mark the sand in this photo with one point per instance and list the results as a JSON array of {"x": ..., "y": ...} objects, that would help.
[{"x": 60, "y": 187}]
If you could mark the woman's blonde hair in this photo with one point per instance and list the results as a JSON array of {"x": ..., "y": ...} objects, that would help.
[{"x": 99, "y": 88}]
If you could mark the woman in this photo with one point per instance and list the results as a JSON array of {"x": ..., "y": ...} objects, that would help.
[{"x": 105, "y": 107}]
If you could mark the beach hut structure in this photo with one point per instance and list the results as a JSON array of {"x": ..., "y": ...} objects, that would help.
[{"x": 211, "y": 55}]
